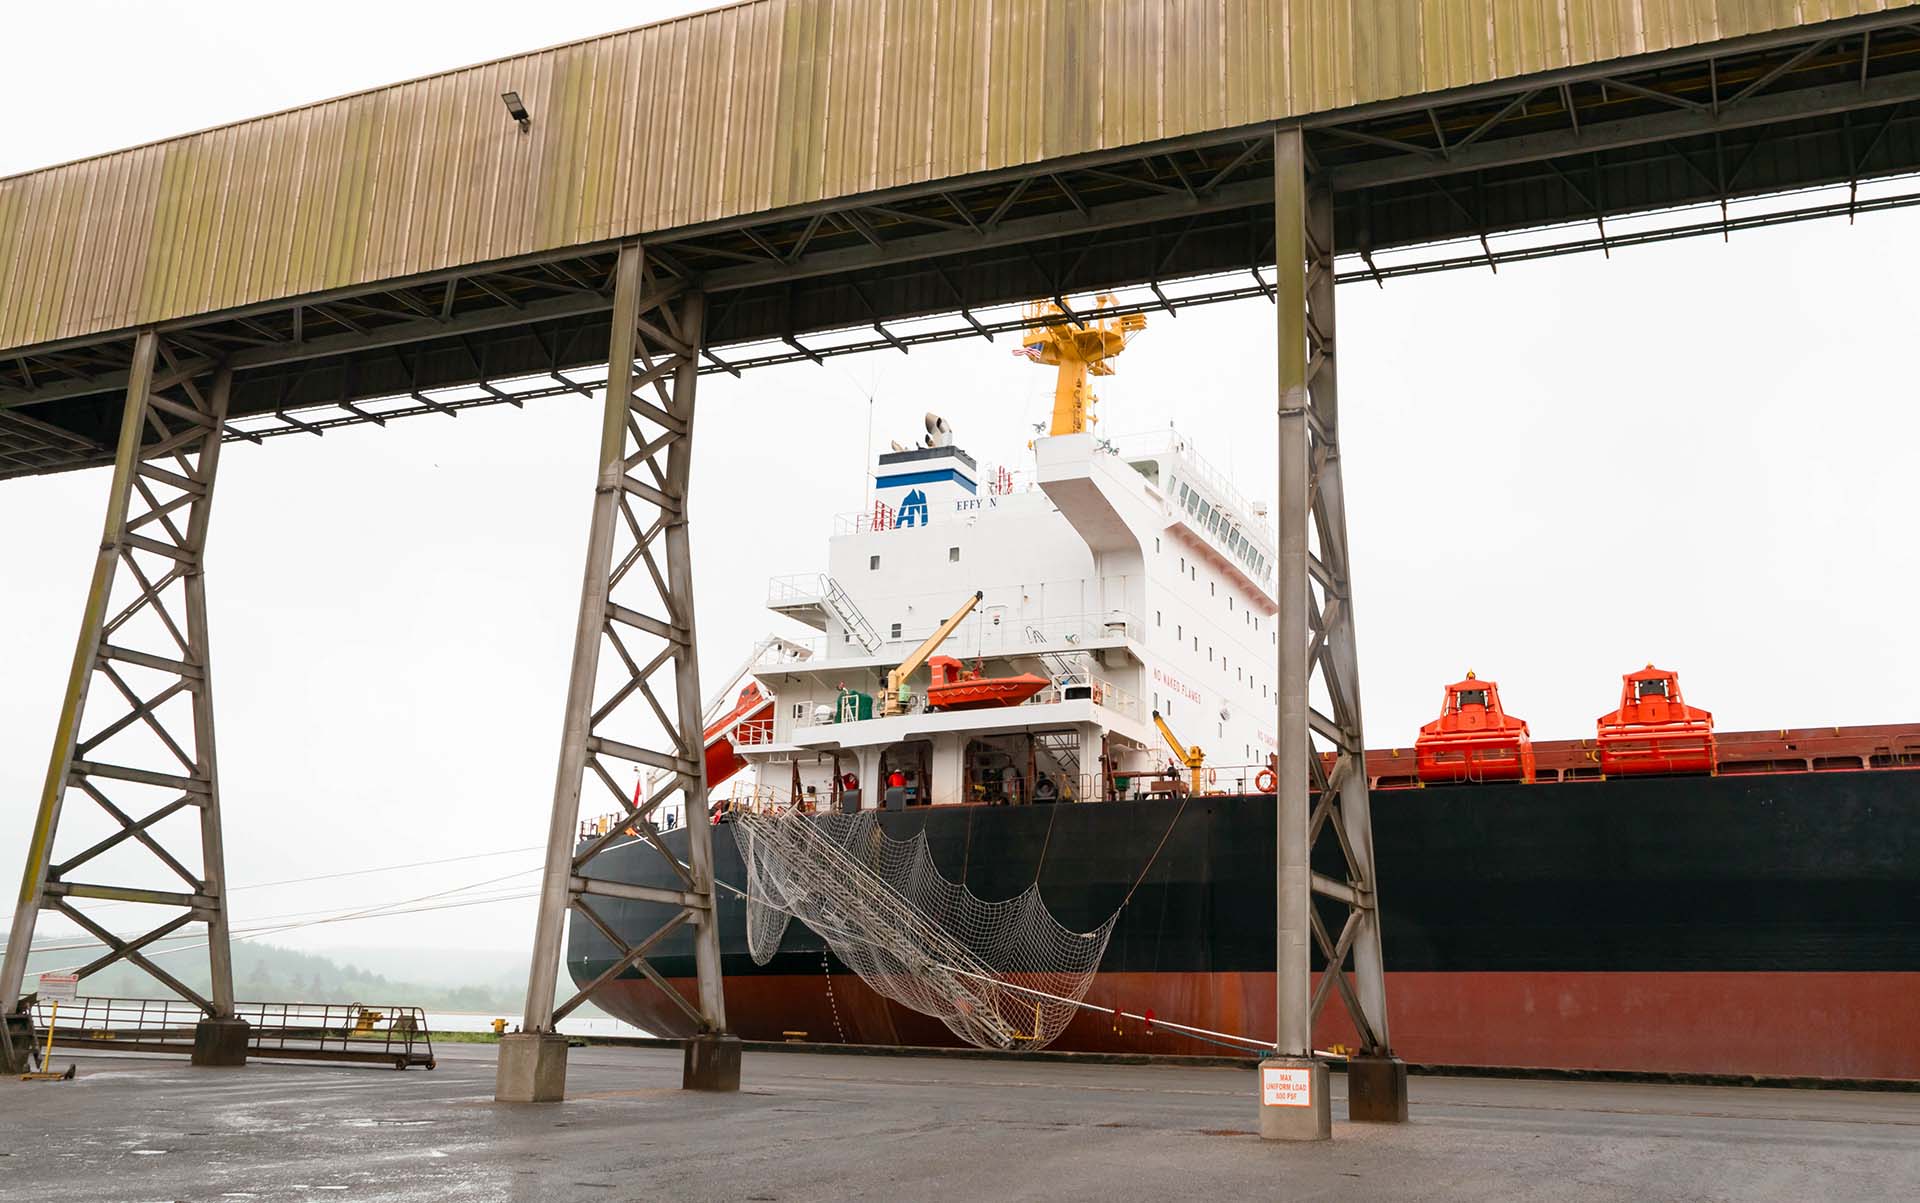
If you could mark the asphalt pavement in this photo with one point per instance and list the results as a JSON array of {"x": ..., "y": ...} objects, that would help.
[{"x": 807, "y": 1127}]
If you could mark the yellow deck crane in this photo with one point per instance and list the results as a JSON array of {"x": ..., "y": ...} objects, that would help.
[
  {"x": 893, "y": 698},
  {"x": 1193, "y": 757},
  {"x": 1080, "y": 345}
]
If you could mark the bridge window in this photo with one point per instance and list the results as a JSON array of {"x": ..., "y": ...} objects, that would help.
[
  {"x": 953, "y": 555},
  {"x": 873, "y": 563},
  {"x": 1473, "y": 697},
  {"x": 896, "y": 630},
  {"x": 1650, "y": 689}
]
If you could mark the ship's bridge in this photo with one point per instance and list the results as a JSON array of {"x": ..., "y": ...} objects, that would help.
[{"x": 1203, "y": 506}]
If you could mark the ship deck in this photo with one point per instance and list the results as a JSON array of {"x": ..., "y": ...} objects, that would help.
[{"x": 810, "y": 1126}]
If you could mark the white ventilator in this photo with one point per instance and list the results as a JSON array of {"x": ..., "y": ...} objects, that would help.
[{"x": 1004, "y": 975}]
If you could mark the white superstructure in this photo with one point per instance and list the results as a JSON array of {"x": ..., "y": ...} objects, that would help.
[{"x": 1132, "y": 578}]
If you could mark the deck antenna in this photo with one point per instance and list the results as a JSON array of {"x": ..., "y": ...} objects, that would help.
[{"x": 870, "y": 392}]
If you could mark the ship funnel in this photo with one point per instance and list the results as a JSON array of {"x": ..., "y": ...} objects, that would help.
[{"x": 939, "y": 434}]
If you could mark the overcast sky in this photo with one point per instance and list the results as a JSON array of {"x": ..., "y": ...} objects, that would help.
[{"x": 1699, "y": 454}]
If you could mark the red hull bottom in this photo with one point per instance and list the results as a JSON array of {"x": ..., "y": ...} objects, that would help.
[{"x": 1826, "y": 1025}]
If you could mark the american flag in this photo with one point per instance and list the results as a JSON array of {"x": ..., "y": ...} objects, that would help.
[{"x": 1029, "y": 352}]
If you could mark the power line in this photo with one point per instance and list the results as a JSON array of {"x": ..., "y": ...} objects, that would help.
[
  {"x": 270, "y": 924},
  {"x": 418, "y": 864}
]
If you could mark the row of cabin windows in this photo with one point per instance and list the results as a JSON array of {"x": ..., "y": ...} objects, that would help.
[
  {"x": 953, "y": 557},
  {"x": 1219, "y": 525},
  {"x": 1213, "y": 589}
]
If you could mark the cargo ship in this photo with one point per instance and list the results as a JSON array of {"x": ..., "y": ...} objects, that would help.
[{"x": 1013, "y": 662}]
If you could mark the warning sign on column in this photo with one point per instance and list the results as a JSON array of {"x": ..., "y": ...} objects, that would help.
[
  {"x": 59, "y": 987},
  {"x": 1286, "y": 1087}
]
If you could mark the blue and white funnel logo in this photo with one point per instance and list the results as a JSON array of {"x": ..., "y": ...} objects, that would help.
[{"x": 913, "y": 509}]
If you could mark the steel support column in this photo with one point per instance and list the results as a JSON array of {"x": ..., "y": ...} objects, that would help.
[
  {"x": 637, "y": 601},
  {"x": 1320, "y": 790},
  {"x": 143, "y": 748}
]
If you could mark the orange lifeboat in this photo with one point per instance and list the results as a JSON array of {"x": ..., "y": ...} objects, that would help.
[
  {"x": 749, "y": 722},
  {"x": 1474, "y": 739},
  {"x": 1655, "y": 731},
  {"x": 956, "y": 687}
]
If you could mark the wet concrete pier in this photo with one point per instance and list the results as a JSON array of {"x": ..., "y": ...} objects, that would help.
[{"x": 833, "y": 1127}]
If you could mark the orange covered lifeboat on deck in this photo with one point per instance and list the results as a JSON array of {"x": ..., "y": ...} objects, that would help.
[
  {"x": 1655, "y": 731},
  {"x": 749, "y": 722},
  {"x": 1474, "y": 739},
  {"x": 957, "y": 687}
]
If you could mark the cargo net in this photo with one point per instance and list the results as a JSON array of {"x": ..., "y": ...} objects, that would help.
[{"x": 1003, "y": 975}]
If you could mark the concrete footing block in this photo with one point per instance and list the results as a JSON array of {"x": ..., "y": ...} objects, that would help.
[
  {"x": 1293, "y": 1099},
  {"x": 220, "y": 1043},
  {"x": 1377, "y": 1090},
  {"x": 712, "y": 1063},
  {"x": 533, "y": 1068},
  {"x": 14, "y": 1055}
]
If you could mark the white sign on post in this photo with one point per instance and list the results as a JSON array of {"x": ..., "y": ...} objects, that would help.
[
  {"x": 1286, "y": 1087},
  {"x": 59, "y": 987}
]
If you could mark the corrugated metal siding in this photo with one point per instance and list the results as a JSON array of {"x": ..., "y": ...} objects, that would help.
[{"x": 738, "y": 110}]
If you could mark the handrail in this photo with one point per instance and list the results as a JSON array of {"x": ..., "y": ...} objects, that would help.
[{"x": 380, "y": 1034}]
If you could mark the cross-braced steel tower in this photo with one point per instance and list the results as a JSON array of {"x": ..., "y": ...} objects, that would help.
[
  {"x": 135, "y": 734},
  {"x": 642, "y": 707},
  {"x": 1319, "y": 662}
]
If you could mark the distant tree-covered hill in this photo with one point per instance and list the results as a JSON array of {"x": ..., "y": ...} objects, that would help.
[{"x": 266, "y": 973}]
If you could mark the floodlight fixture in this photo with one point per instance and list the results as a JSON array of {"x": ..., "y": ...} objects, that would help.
[{"x": 517, "y": 109}]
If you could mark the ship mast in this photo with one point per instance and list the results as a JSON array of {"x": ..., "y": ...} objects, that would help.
[{"x": 1080, "y": 347}]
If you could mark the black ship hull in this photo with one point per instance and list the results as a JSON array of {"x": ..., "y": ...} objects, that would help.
[{"x": 1765, "y": 924}]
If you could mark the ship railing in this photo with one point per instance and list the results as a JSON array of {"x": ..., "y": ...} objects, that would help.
[
  {"x": 767, "y": 800},
  {"x": 293, "y": 1031},
  {"x": 881, "y": 517},
  {"x": 990, "y": 636},
  {"x": 753, "y": 732},
  {"x": 599, "y": 825},
  {"x": 993, "y": 634},
  {"x": 1163, "y": 780},
  {"x": 1084, "y": 686},
  {"x": 796, "y": 589},
  {"x": 1193, "y": 465}
]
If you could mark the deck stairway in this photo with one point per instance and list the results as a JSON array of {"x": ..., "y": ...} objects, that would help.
[
  {"x": 1063, "y": 749},
  {"x": 849, "y": 614}
]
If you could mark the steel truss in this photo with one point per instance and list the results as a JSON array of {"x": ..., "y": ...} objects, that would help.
[
  {"x": 1832, "y": 104},
  {"x": 1317, "y": 646},
  {"x": 637, "y": 602},
  {"x": 143, "y": 750}
]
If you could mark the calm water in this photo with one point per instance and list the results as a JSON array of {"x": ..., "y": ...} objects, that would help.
[{"x": 572, "y": 1025}]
